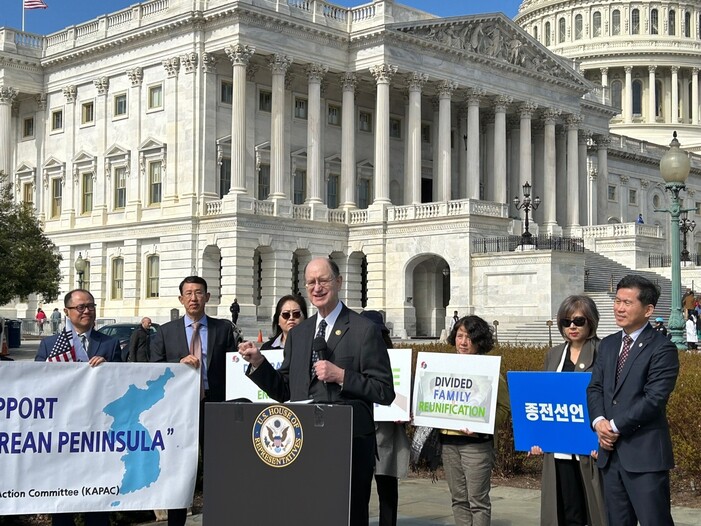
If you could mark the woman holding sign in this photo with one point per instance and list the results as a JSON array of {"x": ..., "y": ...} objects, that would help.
[
  {"x": 290, "y": 311},
  {"x": 571, "y": 490},
  {"x": 468, "y": 457}
]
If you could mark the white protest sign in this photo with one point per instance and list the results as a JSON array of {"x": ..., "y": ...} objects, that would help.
[
  {"x": 456, "y": 391},
  {"x": 114, "y": 437},
  {"x": 399, "y": 411},
  {"x": 238, "y": 385}
]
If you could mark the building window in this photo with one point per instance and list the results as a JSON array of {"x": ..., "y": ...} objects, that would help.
[
  {"x": 334, "y": 115},
  {"x": 363, "y": 193},
  {"x": 117, "y": 279},
  {"x": 426, "y": 133},
  {"x": 632, "y": 196},
  {"x": 365, "y": 121},
  {"x": 28, "y": 194},
  {"x": 616, "y": 22},
  {"x": 301, "y": 105},
  {"x": 637, "y": 97},
  {"x": 547, "y": 34},
  {"x": 332, "y": 191},
  {"x": 395, "y": 128},
  {"x": 120, "y": 105},
  {"x": 687, "y": 24},
  {"x": 120, "y": 187},
  {"x": 299, "y": 183},
  {"x": 616, "y": 94},
  {"x": 654, "y": 22},
  {"x": 56, "y": 120},
  {"x": 612, "y": 193},
  {"x": 535, "y": 32},
  {"x": 578, "y": 27},
  {"x": 656, "y": 201},
  {"x": 635, "y": 22},
  {"x": 561, "y": 31},
  {"x": 154, "y": 182},
  {"x": 155, "y": 97},
  {"x": 263, "y": 182},
  {"x": 265, "y": 101},
  {"x": 56, "y": 197},
  {"x": 87, "y": 113},
  {"x": 672, "y": 22},
  {"x": 86, "y": 204},
  {"x": 226, "y": 92},
  {"x": 28, "y": 128},
  {"x": 152, "y": 276},
  {"x": 596, "y": 24},
  {"x": 658, "y": 98},
  {"x": 697, "y": 204},
  {"x": 224, "y": 177}
]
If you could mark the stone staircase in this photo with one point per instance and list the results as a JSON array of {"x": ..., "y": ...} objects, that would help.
[{"x": 602, "y": 275}]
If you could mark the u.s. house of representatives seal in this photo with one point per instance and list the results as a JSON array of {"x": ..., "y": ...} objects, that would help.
[{"x": 277, "y": 436}]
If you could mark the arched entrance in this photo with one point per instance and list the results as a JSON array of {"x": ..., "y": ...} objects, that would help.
[{"x": 428, "y": 286}]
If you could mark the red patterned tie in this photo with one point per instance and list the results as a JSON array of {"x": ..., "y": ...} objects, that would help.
[{"x": 627, "y": 342}]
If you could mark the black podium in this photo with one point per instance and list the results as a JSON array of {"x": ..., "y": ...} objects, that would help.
[{"x": 267, "y": 465}]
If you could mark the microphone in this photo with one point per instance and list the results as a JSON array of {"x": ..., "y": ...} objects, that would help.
[{"x": 320, "y": 348}]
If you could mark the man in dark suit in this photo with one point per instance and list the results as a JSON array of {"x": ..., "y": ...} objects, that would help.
[
  {"x": 140, "y": 342},
  {"x": 633, "y": 376},
  {"x": 199, "y": 341},
  {"x": 356, "y": 371},
  {"x": 89, "y": 346}
]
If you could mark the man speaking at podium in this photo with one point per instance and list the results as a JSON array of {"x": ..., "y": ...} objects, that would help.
[{"x": 335, "y": 356}]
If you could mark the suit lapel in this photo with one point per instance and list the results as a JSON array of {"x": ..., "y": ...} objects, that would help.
[
  {"x": 181, "y": 337},
  {"x": 93, "y": 344},
  {"x": 586, "y": 357},
  {"x": 211, "y": 335},
  {"x": 339, "y": 330}
]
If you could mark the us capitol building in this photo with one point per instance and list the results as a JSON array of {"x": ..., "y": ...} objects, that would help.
[{"x": 236, "y": 140}]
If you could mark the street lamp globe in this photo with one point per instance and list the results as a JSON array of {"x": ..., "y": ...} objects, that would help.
[
  {"x": 675, "y": 164},
  {"x": 80, "y": 264}
]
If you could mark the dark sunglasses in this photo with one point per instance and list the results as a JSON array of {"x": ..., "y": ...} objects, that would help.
[
  {"x": 296, "y": 314},
  {"x": 579, "y": 321}
]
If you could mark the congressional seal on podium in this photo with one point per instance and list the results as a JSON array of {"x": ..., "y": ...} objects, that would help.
[{"x": 277, "y": 436}]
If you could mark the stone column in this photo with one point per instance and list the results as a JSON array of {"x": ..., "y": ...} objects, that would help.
[
  {"x": 561, "y": 170},
  {"x": 573, "y": 189},
  {"x": 462, "y": 152},
  {"x": 416, "y": 82},
  {"x": 7, "y": 97},
  {"x": 584, "y": 188},
  {"x": 135, "y": 192},
  {"x": 549, "y": 174},
  {"x": 71, "y": 187},
  {"x": 315, "y": 74},
  {"x": 473, "y": 142},
  {"x": 538, "y": 131},
  {"x": 651, "y": 106},
  {"x": 383, "y": 74},
  {"x": 500, "y": 104},
  {"x": 628, "y": 96},
  {"x": 101, "y": 189},
  {"x": 348, "y": 83},
  {"x": 525, "y": 148},
  {"x": 602, "y": 178},
  {"x": 675, "y": 94},
  {"x": 445, "y": 91},
  {"x": 240, "y": 56},
  {"x": 171, "y": 95},
  {"x": 278, "y": 65},
  {"x": 489, "y": 172},
  {"x": 513, "y": 145},
  {"x": 695, "y": 96},
  {"x": 604, "y": 77}
]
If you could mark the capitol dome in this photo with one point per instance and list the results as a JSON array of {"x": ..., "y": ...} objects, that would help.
[{"x": 646, "y": 55}]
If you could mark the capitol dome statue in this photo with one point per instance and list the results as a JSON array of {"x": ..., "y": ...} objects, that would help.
[{"x": 645, "y": 55}]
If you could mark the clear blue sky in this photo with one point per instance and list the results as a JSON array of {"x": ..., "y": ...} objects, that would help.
[{"x": 64, "y": 13}]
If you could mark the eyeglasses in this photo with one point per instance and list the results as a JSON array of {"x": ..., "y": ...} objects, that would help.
[
  {"x": 323, "y": 283},
  {"x": 197, "y": 293},
  {"x": 296, "y": 314},
  {"x": 579, "y": 321},
  {"x": 83, "y": 307}
]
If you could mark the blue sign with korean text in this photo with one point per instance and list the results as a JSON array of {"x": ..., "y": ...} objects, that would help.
[{"x": 549, "y": 410}]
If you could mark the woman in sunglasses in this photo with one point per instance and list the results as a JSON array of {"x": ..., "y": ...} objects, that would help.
[
  {"x": 291, "y": 310},
  {"x": 571, "y": 489}
]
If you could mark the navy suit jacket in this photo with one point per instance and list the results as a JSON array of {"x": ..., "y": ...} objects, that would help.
[
  {"x": 637, "y": 404},
  {"x": 355, "y": 345},
  {"x": 170, "y": 344},
  {"x": 99, "y": 345}
]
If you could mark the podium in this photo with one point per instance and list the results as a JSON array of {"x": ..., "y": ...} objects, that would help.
[{"x": 272, "y": 464}]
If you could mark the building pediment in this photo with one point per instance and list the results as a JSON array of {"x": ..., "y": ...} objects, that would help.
[
  {"x": 25, "y": 169},
  {"x": 53, "y": 164},
  {"x": 116, "y": 151},
  {"x": 151, "y": 144},
  {"x": 496, "y": 40},
  {"x": 83, "y": 157}
]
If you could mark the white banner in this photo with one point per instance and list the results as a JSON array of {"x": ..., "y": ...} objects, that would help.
[
  {"x": 238, "y": 385},
  {"x": 113, "y": 437},
  {"x": 400, "y": 360},
  {"x": 456, "y": 391}
]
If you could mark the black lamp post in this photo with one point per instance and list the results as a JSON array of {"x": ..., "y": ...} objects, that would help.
[
  {"x": 80, "y": 269},
  {"x": 686, "y": 225},
  {"x": 526, "y": 205}
]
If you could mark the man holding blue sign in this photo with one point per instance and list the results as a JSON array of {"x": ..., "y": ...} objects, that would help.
[{"x": 633, "y": 376}]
